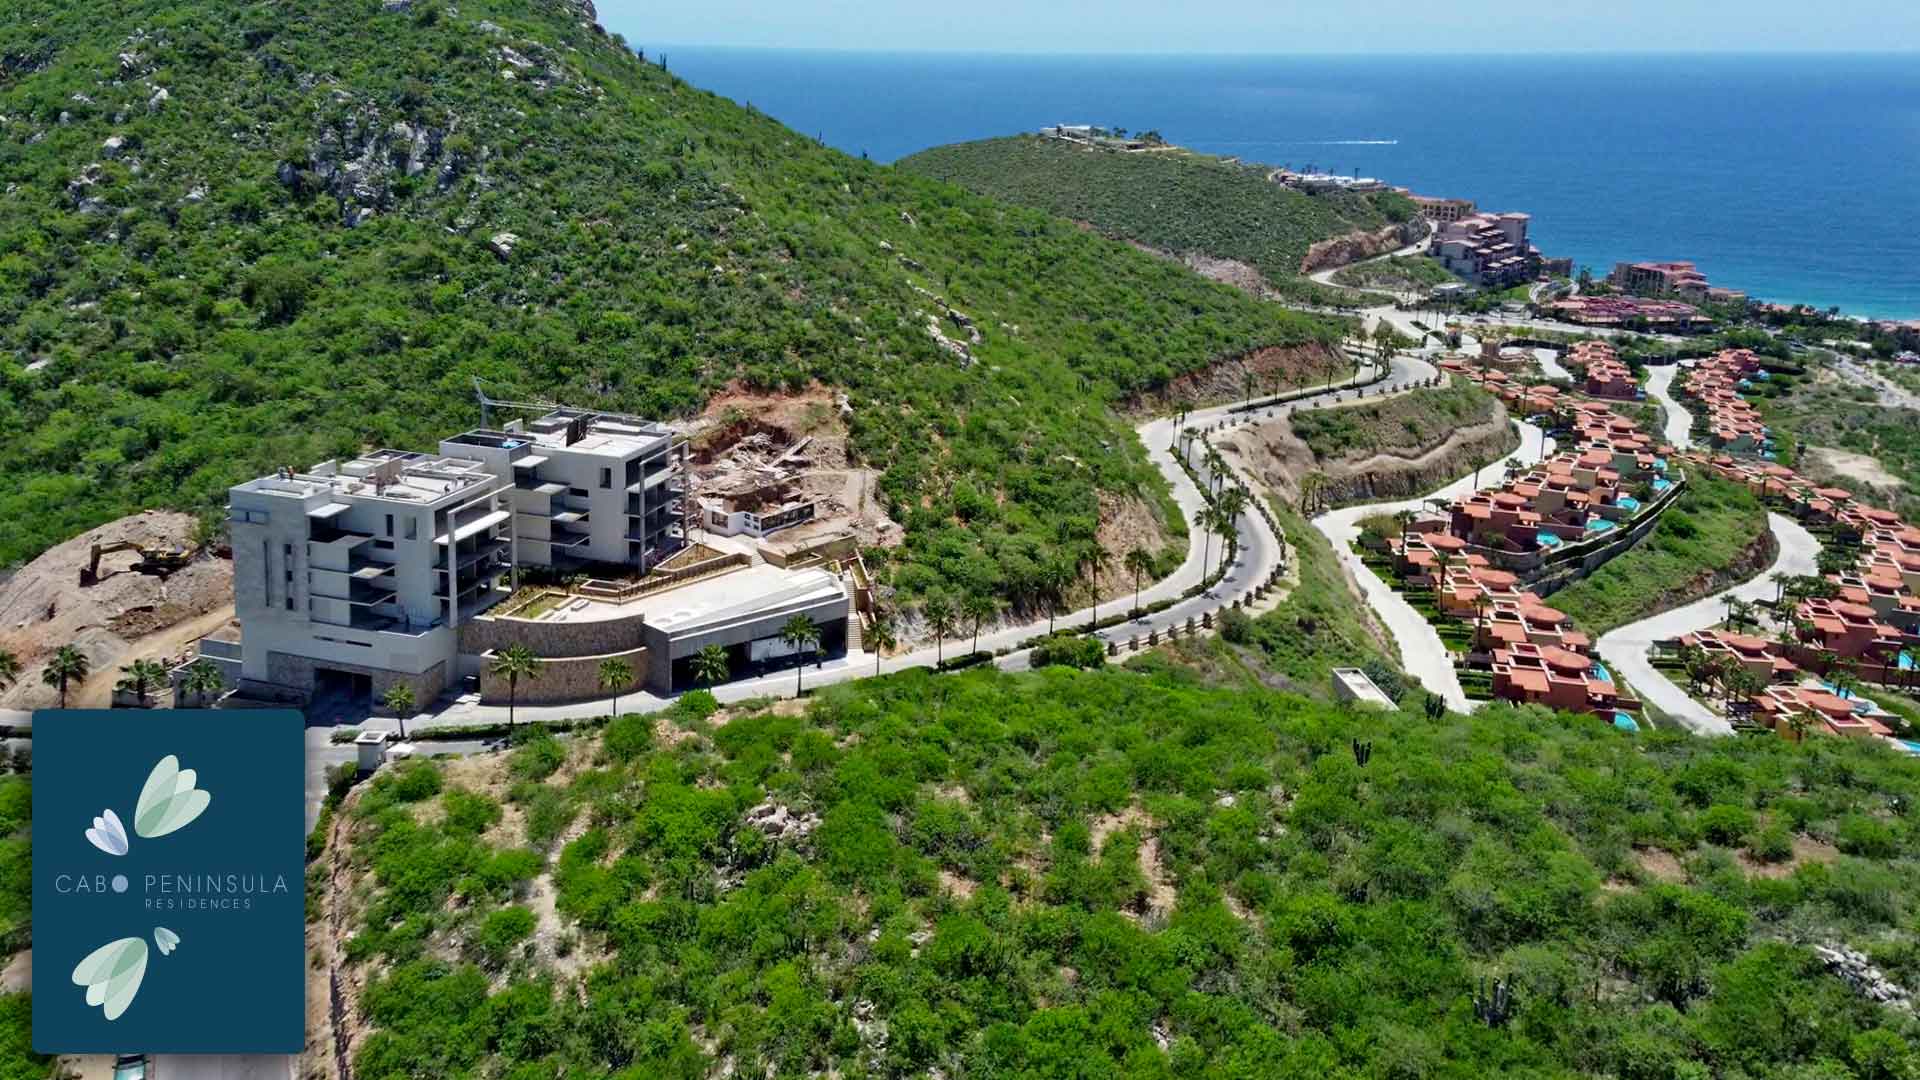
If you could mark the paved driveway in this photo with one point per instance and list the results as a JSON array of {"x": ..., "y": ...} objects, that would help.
[
  {"x": 1626, "y": 649},
  {"x": 1422, "y": 652}
]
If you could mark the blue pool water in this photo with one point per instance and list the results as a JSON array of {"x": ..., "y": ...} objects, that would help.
[
  {"x": 1906, "y": 661},
  {"x": 1662, "y": 484},
  {"x": 1627, "y": 502},
  {"x": 1912, "y": 747},
  {"x": 1599, "y": 525},
  {"x": 1546, "y": 539},
  {"x": 1600, "y": 672},
  {"x": 1624, "y": 722}
]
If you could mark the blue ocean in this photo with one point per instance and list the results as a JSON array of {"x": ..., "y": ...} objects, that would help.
[{"x": 1796, "y": 178}]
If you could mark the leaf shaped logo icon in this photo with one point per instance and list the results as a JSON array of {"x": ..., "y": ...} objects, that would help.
[
  {"x": 108, "y": 834},
  {"x": 112, "y": 974},
  {"x": 169, "y": 801},
  {"x": 166, "y": 939}
]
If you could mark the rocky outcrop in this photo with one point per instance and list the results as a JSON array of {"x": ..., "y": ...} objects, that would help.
[
  {"x": 1853, "y": 968},
  {"x": 780, "y": 823},
  {"x": 1355, "y": 246}
]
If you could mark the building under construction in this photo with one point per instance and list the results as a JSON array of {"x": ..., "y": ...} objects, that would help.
[
  {"x": 587, "y": 488},
  {"x": 753, "y": 489}
]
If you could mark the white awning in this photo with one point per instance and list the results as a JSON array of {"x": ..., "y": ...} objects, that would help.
[
  {"x": 330, "y": 510},
  {"x": 531, "y": 461},
  {"x": 477, "y": 525}
]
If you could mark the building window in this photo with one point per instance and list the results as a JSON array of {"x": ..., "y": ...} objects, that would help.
[
  {"x": 606, "y": 477},
  {"x": 413, "y": 528},
  {"x": 389, "y": 524}
]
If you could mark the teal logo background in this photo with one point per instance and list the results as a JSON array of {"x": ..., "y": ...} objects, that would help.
[{"x": 214, "y": 907}]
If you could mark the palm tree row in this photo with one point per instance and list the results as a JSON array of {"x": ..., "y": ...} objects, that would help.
[{"x": 141, "y": 678}]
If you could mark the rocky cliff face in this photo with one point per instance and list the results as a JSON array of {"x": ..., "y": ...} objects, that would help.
[{"x": 1355, "y": 246}]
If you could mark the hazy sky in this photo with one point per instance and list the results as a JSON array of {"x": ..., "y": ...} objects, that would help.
[{"x": 1273, "y": 26}]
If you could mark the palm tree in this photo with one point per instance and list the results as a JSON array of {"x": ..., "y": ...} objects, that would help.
[
  {"x": 1780, "y": 579},
  {"x": 883, "y": 637},
  {"x": 139, "y": 678},
  {"x": 978, "y": 608},
  {"x": 203, "y": 680},
  {"x": 1096, "y": 560},
  {"x": 514, "y": 663},
  {"x": 1481, "y": 602},
  {"x": 1206, "y": 519},
  {"x": 1139, "y": 564},
  {"x": 399, "y": 701},
  {"x": 616, "y": 675},
  {"x": 801, "y": 634},
  {"x": 938, "y": 611},
  {"x": 1845, "y": 683},
  {"x": 68, "y": 665},
  {"x": 1054, "y": 579},
  {"x": 712, "y": 665},
  {"x": 9, "y": 669}
]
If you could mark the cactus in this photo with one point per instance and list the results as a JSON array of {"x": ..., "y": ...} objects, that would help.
[{"x": 1495, "y": 1008}]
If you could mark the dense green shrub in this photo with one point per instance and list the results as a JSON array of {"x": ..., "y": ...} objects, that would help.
[
  {"x": 1070, "y": 650},
  {"x": 1037, "y": 870},
  {"x": 213, "y": 315}
]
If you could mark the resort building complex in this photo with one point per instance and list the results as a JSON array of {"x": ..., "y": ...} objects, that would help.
[
  {"x": 568, "y": 534},
  {"x": 1488, "y": 250},
  {"x": 1670, "y": 279}
]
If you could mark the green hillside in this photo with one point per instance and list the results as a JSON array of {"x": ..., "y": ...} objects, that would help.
[
  {"x": 240, "y": 235},
  {"x": 1170, "y": 200},
  {"x": 1094, "y": 875}
]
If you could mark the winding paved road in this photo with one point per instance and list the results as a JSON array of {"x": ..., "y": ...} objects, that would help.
[
  {"x": 1422, "y": 652},
  {"x": 1679, "y": 422},
  {"x": 1626, "y": 650},
  {"x": 1260, "y": 553}
]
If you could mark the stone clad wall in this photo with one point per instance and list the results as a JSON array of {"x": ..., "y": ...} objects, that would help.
[
  {"x": 566, "y": 680},
  {"x": 553, "y": 640}
]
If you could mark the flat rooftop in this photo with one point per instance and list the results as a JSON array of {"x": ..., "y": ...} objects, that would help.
[
  {"x": 389, "y": 475},
  {"x": 723, "y": 598}
]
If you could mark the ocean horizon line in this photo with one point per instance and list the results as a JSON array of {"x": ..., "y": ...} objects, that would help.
[{"x": 1312, "y": 54}]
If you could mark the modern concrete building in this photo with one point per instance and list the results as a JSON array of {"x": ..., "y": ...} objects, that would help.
[
  {"x": 587, "y": 488},
  {"x": 744, "y": 612},
  {"x": 354, "y": 576}
]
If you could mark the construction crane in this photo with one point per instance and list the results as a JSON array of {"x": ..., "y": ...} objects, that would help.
[
  {"x": 158, "y": 562},
  {"x": 488, "y": 404}
]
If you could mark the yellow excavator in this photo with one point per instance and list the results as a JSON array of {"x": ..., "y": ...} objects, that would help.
[{"x": 159, "y": 562}]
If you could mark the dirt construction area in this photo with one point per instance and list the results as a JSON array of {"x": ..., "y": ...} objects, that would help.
[
  {"x": 122, "y": 616},
  {"x": 764, "y": 452}
]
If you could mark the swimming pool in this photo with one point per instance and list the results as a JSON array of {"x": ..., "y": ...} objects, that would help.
[
  {"x": 1627, "y": 502},
  {"x": 1600, "y": 672},
  {"x": 1625, "y": 723},
  {"x": 1546, "y": 539},
  {"x": 1599, "y": 525},
  {"x": 1662, "y": 483},
  {"x": 1912, "y": 747},
  {"x": 1906, "y": 661}
]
